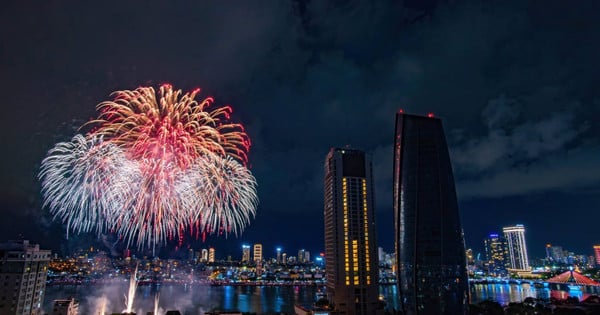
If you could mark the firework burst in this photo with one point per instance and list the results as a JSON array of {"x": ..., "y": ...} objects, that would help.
[{"x": 151, "y": 167}]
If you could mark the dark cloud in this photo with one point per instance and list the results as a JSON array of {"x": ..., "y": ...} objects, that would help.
[
  {"x": 527, "y": 157},
  {"x": 508, "y": 146}
]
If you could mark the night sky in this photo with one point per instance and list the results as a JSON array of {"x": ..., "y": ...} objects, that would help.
[{"x": 517, "y": 84}]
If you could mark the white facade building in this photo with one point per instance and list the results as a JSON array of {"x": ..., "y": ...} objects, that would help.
[{"x": 517, "y": 247}]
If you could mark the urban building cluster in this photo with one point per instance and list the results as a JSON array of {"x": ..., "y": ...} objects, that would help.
[
  {"x": 93, "y": 266},
  {"x": 506, "y": 256},
  {"x": 506, "y": 251}
]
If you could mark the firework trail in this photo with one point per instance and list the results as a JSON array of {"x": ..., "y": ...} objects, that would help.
[
  {"x": 153, "y": 166},
  {"x": 85, "y": 181}
]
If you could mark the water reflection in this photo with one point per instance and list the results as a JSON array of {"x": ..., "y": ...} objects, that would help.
[
  {"x": 390, "y": 293},
  {"x": 228, "y": 297},
  {"x": 502, "y": 293},
  {"x": 507, "y": 293},
  {"x": 266, "y": 299}
]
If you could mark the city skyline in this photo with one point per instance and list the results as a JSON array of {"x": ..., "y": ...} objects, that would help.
[{"x": 299, "y": 76}]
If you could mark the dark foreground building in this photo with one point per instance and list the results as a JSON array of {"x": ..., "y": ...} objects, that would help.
[
  {"x": 350, "y": 244},
  {"x": 430, "y": 252},
  {"x": 23, "y": 267}
]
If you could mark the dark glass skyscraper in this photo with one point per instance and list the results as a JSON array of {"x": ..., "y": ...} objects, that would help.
[
  {"x": 430, "y": 252},
  {"x": 350, "y": 245}
]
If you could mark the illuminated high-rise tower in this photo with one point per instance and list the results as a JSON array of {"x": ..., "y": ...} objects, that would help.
[
  {"x": 496, "y": 253},
  {"x": 430, "y": 251},
  {"x": 350, "y": 244},
  {"x": 258, "y": 256},
  {"x": 597, "y": 254},
  {"x": 245, "y": 253},
  {"x": 211, "y": 255},
  {"x": 204, "y": 255},
  {"x": 300, "y": 255},
  {"x": 517, "y": 248}
]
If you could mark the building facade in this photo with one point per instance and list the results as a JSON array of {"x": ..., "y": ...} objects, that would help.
[
  {"x": 211, "y": 255},
  {"x": 258, "y": 255},
  {"x": 597, "y": 254},
  {"x": 555, "y": 254},
  {"x": 245, "y": 253},
  {"x": 496, "y": 254},
  {"x": 23, "y": 267},
  {"x": 350, "y": 241},
  {"x": 65, "y": 307},
  {"x": 517, "y": 247},
  {"x": 300, "y": 255},
  {"x": 430, "y": 251}
]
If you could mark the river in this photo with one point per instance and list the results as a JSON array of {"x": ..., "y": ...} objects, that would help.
[{"x": 259, "y": 299}]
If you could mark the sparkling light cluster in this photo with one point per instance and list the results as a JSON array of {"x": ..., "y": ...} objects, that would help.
[{"x": 152, "y": 167}]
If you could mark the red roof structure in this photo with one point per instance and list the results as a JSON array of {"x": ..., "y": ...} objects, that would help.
[{"x": 572, "y": 277}]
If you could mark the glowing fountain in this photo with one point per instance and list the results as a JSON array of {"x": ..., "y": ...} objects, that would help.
[
  {"x": 156, "y": 303},
  {"x": 102, "y": 308},
  {"x": 131, "y": 294}
]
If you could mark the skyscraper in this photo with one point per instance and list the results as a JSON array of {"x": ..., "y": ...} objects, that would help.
[
  {"x": 496, "y": 253},
  {"x": 350, "y": 244},
  {"x": 597, "y": 254},
  {"x": 24, "y": 268},
  {"x": 258, "y": 256},
  {"x": 211, "y": 255},
  {"x": 554, "y": 253},
  {"x": 279, "y": 255},
  {"x": 517, "y": 248},
  {"x": 204, "y": 255},
  {"x": 301, "y": 255},
  {"x": 430, "y": 251},
  {"x": 548, "y": 252},
  {"x": 246, "y": 253}
]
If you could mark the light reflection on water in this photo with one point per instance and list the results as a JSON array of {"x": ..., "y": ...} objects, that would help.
[
  {"x": 505, "y": 293},
  {"x": 262, "y": 299}
]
